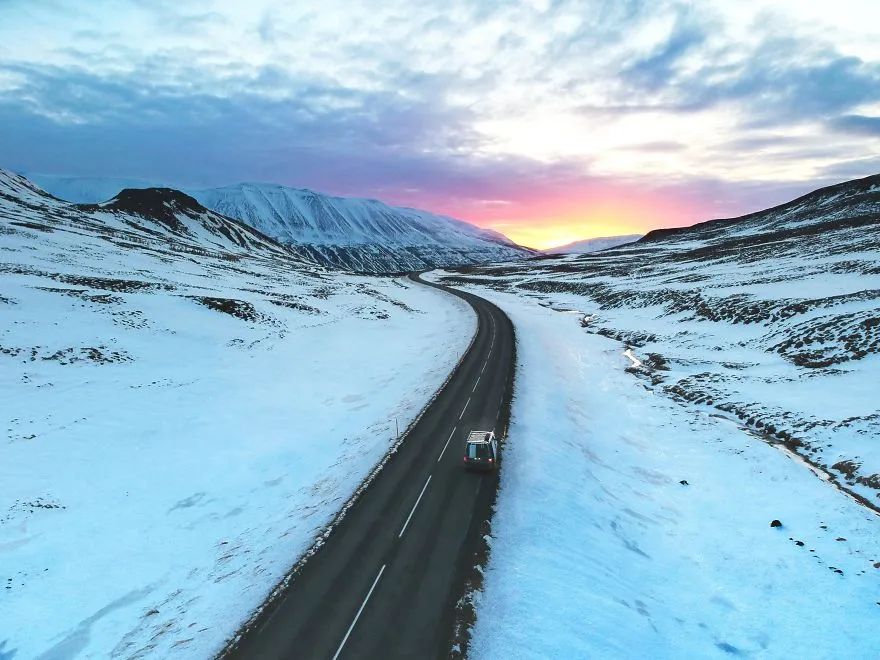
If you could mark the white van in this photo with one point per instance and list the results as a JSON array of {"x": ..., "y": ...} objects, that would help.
[{"x": 481, "y": 450}]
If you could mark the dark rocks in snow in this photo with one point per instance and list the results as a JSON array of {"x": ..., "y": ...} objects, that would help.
[
  {"x": 775, "y": 523},
  {"x": 684, "y": 482}
]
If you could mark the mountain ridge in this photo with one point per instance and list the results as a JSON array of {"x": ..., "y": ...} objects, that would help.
[
  {"x": 844, "y": 191},
  {"x": 358, "y": 234}
]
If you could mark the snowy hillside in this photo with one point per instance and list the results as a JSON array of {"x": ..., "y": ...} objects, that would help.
[
  {"x": 593, "y": 244},
  {"x": 359, "y": 234},
  {"x": 176, "y": 432},
  {"x": 354, "y": 234},
  {"x": 674, "y": 397}
]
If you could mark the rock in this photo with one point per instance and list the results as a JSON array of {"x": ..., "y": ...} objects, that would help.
[
  {"x": 684, "y": 482},
  {"x": 775, "y": 523}
]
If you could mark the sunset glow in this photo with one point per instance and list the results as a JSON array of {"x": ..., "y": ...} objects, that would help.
[{"x": 549, "y": 122}]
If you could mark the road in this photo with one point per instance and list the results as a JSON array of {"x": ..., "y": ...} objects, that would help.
[{"x": 385, "y": 583}]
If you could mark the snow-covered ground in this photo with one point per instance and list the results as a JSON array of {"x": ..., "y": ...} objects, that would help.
[
  {"x": 673, "y": 398},
  {"x": 772, "y": 319},
  {"x": 184, "y": 408},
  {"x": 599, "y": 550}
]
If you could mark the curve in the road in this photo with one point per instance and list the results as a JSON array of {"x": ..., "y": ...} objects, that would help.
[{"x": 386, "y": 581}]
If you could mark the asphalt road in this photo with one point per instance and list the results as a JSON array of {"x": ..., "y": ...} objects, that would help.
[{"x": 385, "y": 583}]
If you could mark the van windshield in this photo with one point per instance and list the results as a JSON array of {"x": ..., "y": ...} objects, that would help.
[{"x": 475, "y": 450}]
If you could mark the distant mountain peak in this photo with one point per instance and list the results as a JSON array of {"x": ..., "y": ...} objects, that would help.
[{"x": 593, "y": 244}]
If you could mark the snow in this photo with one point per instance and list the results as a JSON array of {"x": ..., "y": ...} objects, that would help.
[
  {"x": 183, "y": 416},
  {"x": 599, "y": 551},
  {"x": 347, "y": 231},
  {"x": 673, "y": 397}
]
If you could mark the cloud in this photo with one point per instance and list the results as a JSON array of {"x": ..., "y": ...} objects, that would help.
[
  {"x": 659, "y": 146},
  {"x": 443, "y": 105},
  {"x": 779, "y": 80},
  {"x": 857, "y": 124},
  {"x": 659, "y": 67}
]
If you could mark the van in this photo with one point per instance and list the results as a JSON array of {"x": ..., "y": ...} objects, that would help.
[{"x": 481, "y": 451}]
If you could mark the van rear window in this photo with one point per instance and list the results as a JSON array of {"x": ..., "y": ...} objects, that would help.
[{"x": 478, "y": 450}]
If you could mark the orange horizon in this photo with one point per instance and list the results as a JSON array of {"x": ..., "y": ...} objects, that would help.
[{"x": 547, "y": 225}]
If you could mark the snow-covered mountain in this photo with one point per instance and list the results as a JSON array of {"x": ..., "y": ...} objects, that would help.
[
  {"x": 594, "y": 244},
  {"x": 185, "y": 405},
  {"x": 354, "y": 234},
  {"x": 696, "y": 435}
]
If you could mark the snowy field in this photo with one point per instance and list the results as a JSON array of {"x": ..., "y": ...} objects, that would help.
[
  {"x": 673, "y": 398},
  {"x": 184, "y": 409},
  {"x": 631, "y": 525}
]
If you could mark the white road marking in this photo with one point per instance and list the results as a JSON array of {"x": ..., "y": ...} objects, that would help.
[
  {"x": 463, "y": 409},
  {"x": 477, "y": 383},
  {"x": 446, "y": 445},
  {"x": 358, "y": 615},
  {"x": 403, "y": 529},
  {"x": 484, "y": 365}
]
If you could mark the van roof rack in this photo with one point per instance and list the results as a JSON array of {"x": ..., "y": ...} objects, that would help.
[{"x": 479, "y": 436}]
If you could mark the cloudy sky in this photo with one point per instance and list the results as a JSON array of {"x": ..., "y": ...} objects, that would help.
[{"x": 549, "y": 120}]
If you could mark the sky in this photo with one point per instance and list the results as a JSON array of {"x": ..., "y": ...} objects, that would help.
[{"x": 547, "y": 120}]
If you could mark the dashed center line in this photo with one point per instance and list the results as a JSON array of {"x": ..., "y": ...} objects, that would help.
[
  {"x": 358, "y": 615},
  {"x": 447, "y": 444},
  {"x": 403, "y": 529},
  {"x": 424, "y": 489}
]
